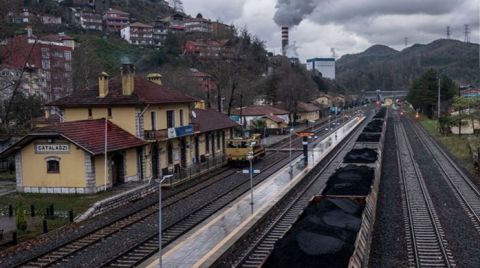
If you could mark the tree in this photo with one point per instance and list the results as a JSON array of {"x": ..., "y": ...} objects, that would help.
[{"x": 423, "y": 94}]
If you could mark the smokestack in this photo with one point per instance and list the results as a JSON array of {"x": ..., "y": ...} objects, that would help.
[{"x": 284, "y": 40}]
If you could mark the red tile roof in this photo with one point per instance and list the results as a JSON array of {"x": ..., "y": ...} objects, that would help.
[
  {"x": 87, "y": 134},
  {"x": 210, "y": 120},
  {"x": 259, "y": 110},
  {"x": 145, "y": 92}
]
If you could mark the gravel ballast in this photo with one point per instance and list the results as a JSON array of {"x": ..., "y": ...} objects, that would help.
[
  {"x": 388, "y": 247},
  {"x": 463, "y": 240}
]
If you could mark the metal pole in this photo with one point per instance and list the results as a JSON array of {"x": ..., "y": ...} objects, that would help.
[
  {"x": 105, "y": 162},
  {"x": 290, "y": 152},
  {"x": 160, "y": 219},
  {"x": 251, "y": 183},
  {"x": 160, "y": 223},
  {"x": 438, "y": 104}
]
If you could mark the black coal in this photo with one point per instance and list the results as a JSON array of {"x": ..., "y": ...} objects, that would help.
[
  {"x": 374, "y": 126},
  {"x": 364, "y": 155},
  {"x": 368, "y": 137},
  {"x": 324, "y": 236},
  {"x": 350, "y": 180}
]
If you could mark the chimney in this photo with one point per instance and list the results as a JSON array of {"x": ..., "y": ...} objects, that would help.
[
  {"x": 284, "y": 40},
  {"x": 155, "y": 78},
  {"x": 103, "y": 85},
  {"x": 29, "y": 32},
  {"x": 128, "y": 77}
]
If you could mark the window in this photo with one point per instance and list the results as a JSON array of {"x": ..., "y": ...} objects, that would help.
[
  {"x": 53, "y": 166},
  {"x": 218, "y": 140},
  {"x": 170, "y": 153},
  {"x": 109, "y": 111},
  {"x": 45, "y": 64},
  {"x": 89, "y": 112},
  {"x": 170, "y": 119},
  {"x": 45, "y": 53},
  {"x": 68, "y": 55},
  {"x": 153, "y": 118},
  {"x": 181, "y": 118}
]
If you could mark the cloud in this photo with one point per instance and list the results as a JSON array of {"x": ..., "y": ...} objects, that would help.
[{"x": 346, "y": 25}]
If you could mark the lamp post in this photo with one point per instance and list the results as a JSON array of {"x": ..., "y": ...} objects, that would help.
[
  {"x": 290, "y": 151},
  {"x": 160, "y": 218},
  {"x": 250, "y": 159}
]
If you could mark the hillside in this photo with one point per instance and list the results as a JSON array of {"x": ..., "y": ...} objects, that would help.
[{"x": 381, "y": 67}]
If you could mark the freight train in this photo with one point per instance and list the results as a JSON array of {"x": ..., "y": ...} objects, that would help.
[{"x": 335, "y": 230}]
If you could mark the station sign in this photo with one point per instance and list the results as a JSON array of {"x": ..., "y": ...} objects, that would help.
[
  {"x": 305, "y": 134},
  {"x": 52, "y": 148}
]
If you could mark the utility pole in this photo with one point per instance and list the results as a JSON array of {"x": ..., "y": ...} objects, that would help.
[
  {"x": 467, "y": 33},
  {"x": 438, "y": 104}
]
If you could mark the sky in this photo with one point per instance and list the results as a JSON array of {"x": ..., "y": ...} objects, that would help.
[{"x": 349, "y": 26}]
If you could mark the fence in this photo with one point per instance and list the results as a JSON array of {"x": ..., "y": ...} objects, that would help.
[{"x": 184, "y": 174}]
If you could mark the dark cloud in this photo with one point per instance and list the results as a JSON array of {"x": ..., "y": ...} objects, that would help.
[{"x": 341, "y": 11}]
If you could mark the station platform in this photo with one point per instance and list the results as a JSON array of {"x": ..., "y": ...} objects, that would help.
[{"x": 203, "y": 245}]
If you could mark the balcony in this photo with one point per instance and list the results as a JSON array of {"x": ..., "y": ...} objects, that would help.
[{"x": 171, "y": 133}]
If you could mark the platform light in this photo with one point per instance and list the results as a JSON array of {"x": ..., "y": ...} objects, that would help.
[{"x": 417, "y": 115}]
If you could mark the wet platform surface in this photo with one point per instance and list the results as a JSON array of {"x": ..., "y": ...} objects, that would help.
[{"x": 201, "y": 246}]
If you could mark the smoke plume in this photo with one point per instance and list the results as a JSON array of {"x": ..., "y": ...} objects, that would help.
[{"x": 292, "y": 12}]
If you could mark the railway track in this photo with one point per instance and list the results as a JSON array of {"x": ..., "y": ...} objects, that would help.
[
  {"x": 464, "y": 190},
  {"x": 149, "y": 246},
  {"x": 61, "y": 255},
  {"x": 425, "y": 237},
  {"x": 256, "y": 247}
]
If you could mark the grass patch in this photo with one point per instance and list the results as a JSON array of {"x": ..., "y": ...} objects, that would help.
[
  {"x": 62, "y": 204},
  {"x": 6, "y": 176},
  {"x": 458, "y": 146}
]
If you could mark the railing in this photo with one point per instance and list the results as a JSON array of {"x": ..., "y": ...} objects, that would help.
[
  {"x": 163, "y": 133},
  {"x": 191, "y": 172}
]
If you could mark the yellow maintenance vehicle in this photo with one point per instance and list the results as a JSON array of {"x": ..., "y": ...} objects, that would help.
[{"x": 238, "y": 149}]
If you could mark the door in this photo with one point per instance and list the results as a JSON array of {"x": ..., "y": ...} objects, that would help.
[{"x": 117, "y": 169}]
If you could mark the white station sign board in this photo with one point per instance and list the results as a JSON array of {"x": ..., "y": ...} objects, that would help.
[{"x": 52, "y": 148}]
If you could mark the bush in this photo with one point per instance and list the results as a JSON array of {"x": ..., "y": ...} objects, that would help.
[{"x": 21, "y": 222}]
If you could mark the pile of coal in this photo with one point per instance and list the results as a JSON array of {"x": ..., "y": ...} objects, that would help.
[
  {"x": 374, "y": 126},
  {"x": 368, "y": 137},
  {"x": 364, "y": 155},
  {"x": 381, "y": 113},
  {"x": 324, "y": 236},
  {"x": 350, "y": 180}
]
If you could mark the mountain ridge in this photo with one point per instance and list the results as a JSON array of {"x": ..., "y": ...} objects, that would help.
[{"x": 382, "y": 67}]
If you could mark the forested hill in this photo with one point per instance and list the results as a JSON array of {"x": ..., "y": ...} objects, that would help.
[{"x": 381, "y": 67}]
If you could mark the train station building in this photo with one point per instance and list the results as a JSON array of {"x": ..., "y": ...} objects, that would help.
[{"x": 146, "y": 129}]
